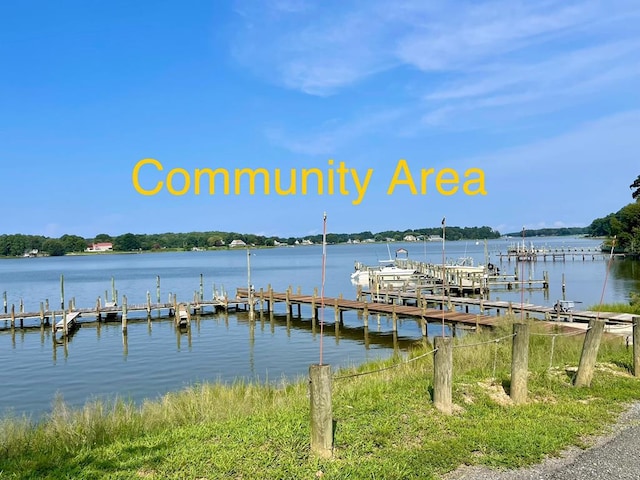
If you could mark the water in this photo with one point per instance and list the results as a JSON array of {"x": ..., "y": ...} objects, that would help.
[{"x": 155, "y": 358}]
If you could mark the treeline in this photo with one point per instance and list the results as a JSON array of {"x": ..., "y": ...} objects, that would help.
[
  {"x": 17, "y": 245},
  {"x": 551, "y": 232},
  {"x": 624, "y": 225}
]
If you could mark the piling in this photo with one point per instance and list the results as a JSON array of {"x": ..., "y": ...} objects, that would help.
[
  {"x": 321, "y": 410},
  {"x": 62, "y": 291},
  {"x": 519, "y": 363},
  {"x": 124, "y": 314},
  {"x": 158, "y": 288},
  {"x": 4, "y": 301},
  {"x": 148, "y": 304},
  {"x": 41, "y": 313},
  {"x": 589, "y": 353},
  {"x": 443, "y": 374},
  {"x": 13, "y": 316},
  {"x": 202, "y": 287},
  {"x": 636, "y": 346}
]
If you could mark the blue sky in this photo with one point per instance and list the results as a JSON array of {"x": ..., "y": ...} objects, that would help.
[{"x": 541, "y": 96}]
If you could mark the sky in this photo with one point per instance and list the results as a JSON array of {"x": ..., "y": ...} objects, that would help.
[{"x": 115, "y": 116}]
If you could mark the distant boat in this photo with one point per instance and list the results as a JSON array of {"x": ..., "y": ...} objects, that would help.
[{"x": 387, "y": 272}]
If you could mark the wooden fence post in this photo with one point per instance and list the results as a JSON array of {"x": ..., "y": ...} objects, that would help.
[
  {"x": 636, "y": 346},
  {"x": 589, "y": 353},
  {"x": 442, "y": 374},
  {"x": 321, "y": 410},
  {"x": 519, "y": 362}
]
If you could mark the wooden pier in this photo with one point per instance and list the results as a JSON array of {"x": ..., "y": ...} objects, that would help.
[
  {"x": 423, "y": 307},
  {"x": 521, "y": 253}
]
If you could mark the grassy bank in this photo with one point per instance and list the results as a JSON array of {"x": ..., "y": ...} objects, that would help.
[
  {"x": 386, "y": 426},
  {"x": 617, "y": 307}
]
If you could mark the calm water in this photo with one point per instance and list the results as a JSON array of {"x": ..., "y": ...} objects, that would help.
[{"x": 154, "y": 358}]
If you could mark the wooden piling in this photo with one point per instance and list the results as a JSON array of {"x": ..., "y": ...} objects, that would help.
[
  {"x": 13, "y": 316},
  {"x": 41, "y": 314},
  {"x": 519, "y": 363},
  {"x": 158, "y": 288},
  {"x": 98, "y": 306},
  {"x": 443, "y": 374},
  {"x": 394, "y": 319},
  {"x": 201, "y": 287},
  {"x": 636, "y": 346},
  {"x": 4, "y": 301},
  {"x": 148, "y": 304},
  {"x": 62, "y": 291},
  {"x": 124, "y": 314},
  {"x": 321, "y": 410},
  {"x": 589, "y": 353}
]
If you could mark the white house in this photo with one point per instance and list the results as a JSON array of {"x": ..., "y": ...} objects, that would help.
[
  {"x": 237, "y": 243},
  {"x": 100, "y": 247}
]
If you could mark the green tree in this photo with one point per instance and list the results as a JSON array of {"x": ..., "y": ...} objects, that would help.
[
  {"x": 126, "y": 243},
  {"x": 73, "y": 243},
  {"x": 53, "y": 247},
  {"x": 635, "y": 186}
]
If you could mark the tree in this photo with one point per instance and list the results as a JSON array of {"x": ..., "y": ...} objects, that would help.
[
  {"x": 636, "y": 185},
  {"x": 53, "y": 247},
  {"x": 126, "y": 243}
]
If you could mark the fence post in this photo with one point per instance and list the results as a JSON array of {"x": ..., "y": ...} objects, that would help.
[
  {"x": 442, "y": 374},
  {"x": 636, "y": 346},
  {"x": 519, "y": 363},
  {"x": 589, "y": 353},
  {"x": 321, "y": 410}
]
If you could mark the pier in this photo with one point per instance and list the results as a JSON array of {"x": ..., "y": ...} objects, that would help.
[
  {"x": 416, "y": 303},
  {"x": 522, "y": 253}
]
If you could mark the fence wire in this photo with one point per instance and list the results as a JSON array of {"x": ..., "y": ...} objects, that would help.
[{"x": 360, "y": 374}]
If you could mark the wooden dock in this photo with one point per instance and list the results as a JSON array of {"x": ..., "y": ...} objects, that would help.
[
  {"x": 561, "y": 254},
  {"x": 425, "y": 308}
]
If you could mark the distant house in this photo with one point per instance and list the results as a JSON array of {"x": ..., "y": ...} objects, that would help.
[
  {"x": 100, "y": 247},
  {"x": 237, "y": 243},
  {"x": 410, "y": 238}
]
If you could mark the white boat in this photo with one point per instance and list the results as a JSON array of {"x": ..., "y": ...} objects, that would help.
[{"x": 385, "y": 273}]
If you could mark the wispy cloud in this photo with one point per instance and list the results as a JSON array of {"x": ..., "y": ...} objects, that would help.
[{"x": 490, "y": 62}]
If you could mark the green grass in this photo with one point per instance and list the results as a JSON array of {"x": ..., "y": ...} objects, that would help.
[
  {"x": 386, "y": 426},
  {"x": 617, "y": 307}
]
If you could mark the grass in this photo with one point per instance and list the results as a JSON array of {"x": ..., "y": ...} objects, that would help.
[
  {"x": 386, "y": 426},
  {"x": 634, "y": 309}
]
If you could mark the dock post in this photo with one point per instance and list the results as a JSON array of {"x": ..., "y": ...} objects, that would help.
[
  {"x": 288, "y": 300},
  {"x": 423, "y": 326},
  {"x": 65, "y": 329},
  {"x": 158, "y": 288},
  {"x": 636, "y": 346},
  {"x": 336, "y": 314},
  {"x": 13, "y": 316},
  {"x": 114, "y": 295},
  {"x": 443, "y": 374},
  {"x": 148, "y": 304},
  {"x": 53, "y": 324},
  {"x": 519, "y": 362},
  {"x": 314, "y": 312},
  {"x": 358, "y": 292},
  {"x": 270, "y": 301},
  {"x": 124, "y": 314},
  {"x": 62, "y": 291},
  {"x": 21, "y": 305},
  {"x": 201, "y": 287},
  {"x": 394, "y": 319},
  {"x": 589, "y": 353},
  {"x": 365, "y": 314},
  {"x": 321, "y": 410},
  {"x": 98, "y": 314},
  {"x": 41, "y": 314},
  {"x": 261, "y": 300},
  {"x": 4, "y": 300}
]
